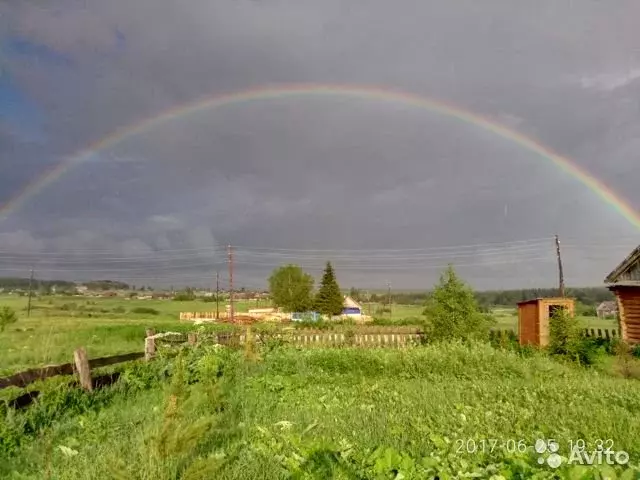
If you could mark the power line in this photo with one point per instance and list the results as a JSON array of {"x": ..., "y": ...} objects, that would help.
[
  {"x": 281, "y": 255},
  {"x": 209, "y": 250}
]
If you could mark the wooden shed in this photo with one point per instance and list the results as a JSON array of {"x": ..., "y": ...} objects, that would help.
[
  {"x": 533, "y": 319},
  {"x": 624, "y": 282}
]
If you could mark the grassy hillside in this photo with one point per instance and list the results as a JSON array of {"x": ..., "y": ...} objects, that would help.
[{"x": 329, "y": 413}]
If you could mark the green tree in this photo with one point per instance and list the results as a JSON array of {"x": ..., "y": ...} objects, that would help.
[
  {"x": 329, "y": 300},
  {"x": 564, "y": 332},
  {"x": 290, "y": 288},
  {"x": 453, "y": 311},
  {"x": 7, "y": 317}
]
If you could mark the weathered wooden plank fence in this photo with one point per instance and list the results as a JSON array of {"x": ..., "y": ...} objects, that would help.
[
  {"x": 602, "y": 333},
  {"x": 365, "y": 337},
  {"x": 22, "y": 379}
]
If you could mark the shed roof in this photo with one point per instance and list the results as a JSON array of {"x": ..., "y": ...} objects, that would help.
[
  {"x": 547, "y": 299},
  {"x": 625, "y": 266}
]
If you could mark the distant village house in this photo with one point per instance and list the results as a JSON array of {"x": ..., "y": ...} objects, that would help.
[{"x": 607, "y": 309}]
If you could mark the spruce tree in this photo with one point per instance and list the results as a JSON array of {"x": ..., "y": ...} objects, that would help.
[{"x": 329, "y": 300}]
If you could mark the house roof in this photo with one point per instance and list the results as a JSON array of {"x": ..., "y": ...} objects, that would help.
[
  {"x": 608, "y": 305},
  {"x": 625, "y": 266},
  {"x": 350, "y": 303}
]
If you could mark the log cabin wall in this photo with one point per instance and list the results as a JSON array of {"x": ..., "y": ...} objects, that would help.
[{"x": 628, "y": 299}]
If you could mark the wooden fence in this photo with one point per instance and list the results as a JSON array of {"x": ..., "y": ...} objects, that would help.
[
  {"x": 366, "y": 337},
  {"x": 81, "y": 366},
  {"x": 602, "y": 333},
  {"x": 304, "y": 339},
  {"x": 24, "y": 378}
]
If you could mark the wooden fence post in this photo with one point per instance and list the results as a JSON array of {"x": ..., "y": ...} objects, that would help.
[
  {"x": 149, "y": 345},
  {"x": 83, "y": 368},
  {"x": 192, "y": 338}
]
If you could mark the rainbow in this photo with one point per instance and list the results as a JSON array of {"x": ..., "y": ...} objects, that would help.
[{"x": 295, "y": 90}]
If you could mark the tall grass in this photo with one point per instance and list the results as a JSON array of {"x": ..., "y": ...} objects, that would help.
[{"x": 328, "y": 413}]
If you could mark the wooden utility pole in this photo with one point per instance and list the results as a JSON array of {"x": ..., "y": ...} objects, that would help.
[
  {"x": 230, "y": 252},
  {"x": 217, "y": 295},
  {"x": 30, "y": 289},
  {"x": 389, "y": 298},
  {"x": 560, "y": 271}
]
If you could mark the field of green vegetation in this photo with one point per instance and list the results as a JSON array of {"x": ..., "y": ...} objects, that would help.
[
  {"x": 439, "y": 411},
  {"x": 104, "y": 326},
  {"x": 461, "y": 405},
  {"x": 110, "y": 326}
]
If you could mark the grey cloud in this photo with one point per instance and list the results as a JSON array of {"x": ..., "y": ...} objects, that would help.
[
  {"x": 327, "y": 173},
  {"x": 610, "y": 81}
]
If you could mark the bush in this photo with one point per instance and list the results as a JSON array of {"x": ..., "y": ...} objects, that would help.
[
  {"x": 567, "y": 339},
  {"x": 564, "y": 332},
  {"x": 587, "y": 351},
  {"x": 145, "y": 311},
  {"x": 585, "y": 310},
  {"x": 453, "y": 311},
  {"x": 626, "y": 364},
  {"x": 319, "y": 325},
  {"x": 183, "y": 297},
  {"x": 504, "y": 339},
  {"x": 7, "y": 317},
  {"x": 409, "y": 321}
]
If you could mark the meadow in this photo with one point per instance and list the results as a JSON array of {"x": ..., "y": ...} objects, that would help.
[
  {"x": 104, "y": 326},
  {"x": 439, "y": 411},
  {"x": 110, "y": 326}
]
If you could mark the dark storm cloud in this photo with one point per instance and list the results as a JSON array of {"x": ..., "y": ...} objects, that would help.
[{"x": 326, "y": 173}]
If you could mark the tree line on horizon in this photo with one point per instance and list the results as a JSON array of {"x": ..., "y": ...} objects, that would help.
[{"x": 591, "y": 296}]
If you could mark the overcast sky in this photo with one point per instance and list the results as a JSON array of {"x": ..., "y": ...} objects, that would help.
[{"x": 388, "y": 192}]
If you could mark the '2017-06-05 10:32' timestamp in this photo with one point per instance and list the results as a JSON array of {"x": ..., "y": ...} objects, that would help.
[
  {"x": 490, "y": 445},
  {"x": 549, "y": 451}
]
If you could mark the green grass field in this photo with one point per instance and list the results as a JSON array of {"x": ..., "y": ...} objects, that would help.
[
  {"x": 444, "y": 410},
  {"x": 108, "y": 326},
  {"x": 440, "y": 411},
  {"x": 104, "y": 326}
]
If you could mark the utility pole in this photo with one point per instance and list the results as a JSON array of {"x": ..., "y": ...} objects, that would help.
[
  {"x": 560, "y": 272},
  {"x": 389, "y": 299},
  {"x": 217, "y": 295},
  {"x": 230, "y": 252},
  {"x": 30, "y": 288}
]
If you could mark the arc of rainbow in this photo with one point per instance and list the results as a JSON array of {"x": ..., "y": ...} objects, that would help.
[{"x": 365, "y": 92}]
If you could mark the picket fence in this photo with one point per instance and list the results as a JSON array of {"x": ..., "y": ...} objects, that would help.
[
  {"x": 602, "y": 333},
  {"x": 323, "y": 339}
]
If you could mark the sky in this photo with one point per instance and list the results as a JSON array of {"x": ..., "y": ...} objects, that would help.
[{"x": 388, "y": 192}]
